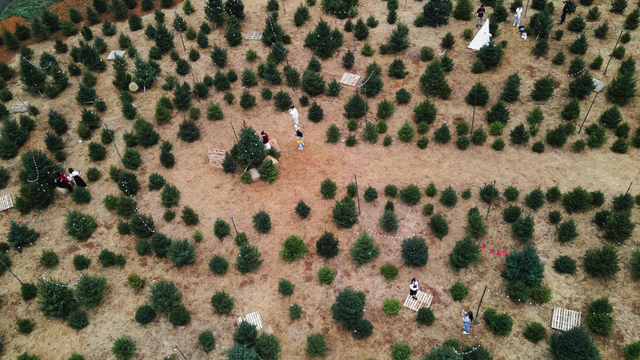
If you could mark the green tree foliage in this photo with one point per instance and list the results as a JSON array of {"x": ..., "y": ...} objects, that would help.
[
  {"x": 437, "y": 13},
  {"x": 525, "y": 266},
  {"x": 348, "y": 308},
  {"x": 432, "y": 82},
  {"x": 415, "y": 252},
  {"x": 323, "y": 41}
]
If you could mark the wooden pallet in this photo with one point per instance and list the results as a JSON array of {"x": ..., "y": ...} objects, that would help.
[
  {"x": 274, "y": 145},
  {"x": 6, "y": 202},
  {"x": 424, "y": 300},
  {"x": 564, "y": 319},
  {"x": 253, "y": 319},
  {"x": 349, "y": 79},
  {"x": 216, "y": 157},
  {"x": 114, "y": 53},
  {"x": 19, "y": 107},
  {"x": 598, "y": 84},
  {"x": 254, "y": 35}
]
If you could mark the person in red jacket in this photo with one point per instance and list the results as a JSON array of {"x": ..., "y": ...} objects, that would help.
[
  {"x": 265, "y": 140},
  {"x": 480, "y": 12},
  {"x": 63, "y": 182}
]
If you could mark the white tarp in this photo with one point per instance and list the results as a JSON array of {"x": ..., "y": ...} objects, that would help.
[{"x": 482, "y": 38}]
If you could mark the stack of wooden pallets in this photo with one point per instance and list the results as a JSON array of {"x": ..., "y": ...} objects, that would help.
[
  {"x": 6, "y": 202},
  {"x": 564, "y": 319},
  {"x": 253, "y": 319},
  {"x": 349, "y": 79},
  {"x": 216, "y": 157},
  {"x": 424, "y": 300},
  {"x": 254, "y": 35}
]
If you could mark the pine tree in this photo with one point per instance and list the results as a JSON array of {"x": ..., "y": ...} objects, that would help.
[
  {"x": 490, "y": 55},
  {"x": 219, "y": 57},
  {"x": 249, "y": 151},
  {"x": 235, "y": 8},
  {"x": 436, "y": 12},
  {"x": 356, "y": 107},
  {"x": 119, "y": 9},
  {"x": 273, "y": 32},
  {"x": 147, "y": 5},
  {"x": 51, "y": 21},
  {"x": 433, "y": 83},
  {"x": 313, "y": 83},
  {"x": 541, "y": 24},
  {"x": 233, "y": 33},
  {"x": 571, "y": 111},
  {"x": 60, "y": 81},
  {"x": 511, "y": 89},
  {"x": 582, "y": 86},
  {"x": 519, "y": 135},
  {"x": 32, "y": 78},
  {"x": 214, "y": 12},
  {"x": 580, "y": 45},
  {"x": 622, "y": 89},
  {"x": 144, "y": 74},
  {"x": 179, "y": 24},
  {"x": 463, "y": 10},
  {"x": 361, "y": 30},
  {"x": 399, "y": 39},
  {"x": 272, "y": 74},
  {"x": 10, "y": 40},
  {"x": 182, "y": 97},
  {"x": 39, "y": 30},
  {"x": 478, "y": 95},
  {"x": 202, "y": 40},
  {"x": 163, "y": 38},
  {"x": 633, "y": 20},
  {"x": 542, "y": 89},
  {"x": 121, "y": 78},
  {"x": 323, "y": 41}
]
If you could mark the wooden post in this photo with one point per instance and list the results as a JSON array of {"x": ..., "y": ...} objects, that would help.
[
  {"x": 14, "y": 275},
  {"x": 357, "y": 192},
  {"x": 629, "y": 188},
  {"x": 585, "y": 117},
  {"x": 611, "y": 55},
  {"x": 475, "y": 318}
]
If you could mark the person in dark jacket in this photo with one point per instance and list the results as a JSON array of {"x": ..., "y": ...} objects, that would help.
[
  {"x": 75, "y": 175},
  {"x": 480, "y": 13},
  {"x": 565, "y": 10}
]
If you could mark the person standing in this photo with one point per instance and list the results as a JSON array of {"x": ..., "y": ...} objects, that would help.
[
  {"x": 75, "y": 175},
  {"x": 467, "y": 318},
  {"x": 300, "y": 138},
  {"x": 265, "y": 141},
  {"x": 516, "y": 16},
  {"x": 565, "y": 11},
  {"x": 480, "y": 12},
  {"x": 413, "y": 288},
  {"x": 294, "y": 115}
]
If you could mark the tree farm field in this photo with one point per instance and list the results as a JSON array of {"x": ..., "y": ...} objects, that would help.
[{"x": 214, "y": 194}]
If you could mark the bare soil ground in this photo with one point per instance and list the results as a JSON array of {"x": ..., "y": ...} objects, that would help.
[{"x": 214, "y": 194}]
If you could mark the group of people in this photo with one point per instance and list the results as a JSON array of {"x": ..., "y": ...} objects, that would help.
[
  {"x": 65, "y": 181},
  {"x": 298, "y": 132},
  {"x": 467, "y": 316},
  {"x": 516, "y": 17}
]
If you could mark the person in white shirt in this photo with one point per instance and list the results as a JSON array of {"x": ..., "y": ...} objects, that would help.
[
  {"x": 516, "y": 16},
  {"x": 413, "y": 288},
  {"x": 294, "y": 114}
]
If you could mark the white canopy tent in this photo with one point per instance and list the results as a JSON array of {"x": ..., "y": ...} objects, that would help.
[{"x": 482, "y": 38}]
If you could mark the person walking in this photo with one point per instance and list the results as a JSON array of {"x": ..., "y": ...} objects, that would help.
[
  {"x": 516, "y": 16},
  {"x": 294, "y": 114},
  {"x": 75, "y": 176},
  {"x": 413, "y": 288},
  {"x": 480, "y": 12},
  {"x": 63, "y": 182},
  {"x": 300, "y": 138},
  {"x": 467, "y": 318},
  {"x": 565, "y": 11},
  {"x": 265, "y": 141}
]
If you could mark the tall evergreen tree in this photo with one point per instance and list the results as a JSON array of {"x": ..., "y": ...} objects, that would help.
[
  {"x": 147, "y": 5},
  {"x": 233, "y": 33},
  {"x": 39, "y": 29},
  {"x": 273, "y": 32},
  {"x": 163, "y": 38},
  {"x": 399, "y": 39},
  {"x": 182, "y": 97},
  {"x": 582, "y": 86},
  {"x": 179, "y": 24},
  {"x": 235, "y": 8},
  {"x": 59, "y": 82},
  {"x": 214, "y": 12},
  {"x": 121, "y": 78},
  {"x": 323, "y": 41},
  {"x": 119, "y": 9},
  {"x": 144, "y": 74},
  {"x": 463, "y": 10},
  {"x": 436, "y": 12},
  {"x": 51, "y": 21},
  {"x": 433, "y": 83},
  {"x": 511, "y": 89},
  {"x": 361, "y": 30},
  {"x": 32, "y": 78},
  {"x": 622, "y": 89},
  {"x": 249, "y": 151}
]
